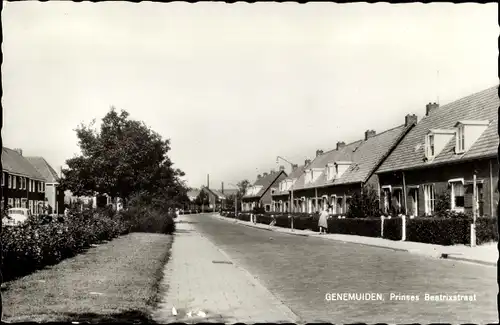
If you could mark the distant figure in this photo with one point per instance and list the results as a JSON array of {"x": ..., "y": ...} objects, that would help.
[
  {"x": 177, "y": 212},
  {"x": 323, "y": 221},
  {"x": 66, "y": 212}
]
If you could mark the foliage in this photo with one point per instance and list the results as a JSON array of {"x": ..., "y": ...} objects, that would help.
[
  {"x": 43, "y": 241},
  {"x": 440, "y": 231},
  {"x": 122, "y": 158},
  {"x": 368, "y": 227},
  {"x": 242, "y": 188},
  {"x": 442, "y": 204},
  {"x": 486, "y": 230},
  {"x": 147, "y": 214},
  {"x": 365, "y": 204},
  {"x": 393, "y": 228},
  {"x": 202, "y": 198}
]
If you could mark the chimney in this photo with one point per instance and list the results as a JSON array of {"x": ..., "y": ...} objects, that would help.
[
  {"x": 294, "y": 167},
  {"x": 19, "y": 151},
  {"x": 410, "y": 119},
  {"x": 340, "y": 145},
  {"x": 222, "y": 187},
  {"x": 259, "y": 176},
  {"x": 307, "y": 162},
  {"x": 429, "y": 108},
  {"x": 369, "y": 134},
  {"x": 282, "y": 168},
  {"x": 265, "y": 174},
  {"x": 319, "y": 152},
  {"x": 208, "y": 181}
]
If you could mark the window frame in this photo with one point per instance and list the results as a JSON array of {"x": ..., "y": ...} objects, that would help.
[
  {"x": 429, "y": 198},
  {"x": 430, "y": 146},
  {"x": 460, "y": 139},
  {"x": 453, "y": 196},
  {"x": 10, "y": 181},
  {"x": 14, "y": 181},
  {"x": 3, "y": 178}
]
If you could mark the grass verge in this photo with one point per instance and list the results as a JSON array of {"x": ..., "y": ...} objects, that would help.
[{"x": 114, "y": 282}]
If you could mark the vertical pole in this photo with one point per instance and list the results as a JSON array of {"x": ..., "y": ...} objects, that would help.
[
  {"x": 474, "y": 212},
  {"x": 404, "y": 193},
  {"x": 492, "y": 209},
  {"x": 403, "y": 230}
]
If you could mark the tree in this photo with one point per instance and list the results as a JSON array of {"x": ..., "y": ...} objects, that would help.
[
  {"x": 202, "y": 198},
  {"x": 242, "y": 188},
  {"x": 365, "y": 204},
  {"x": 123, "y": 158}
]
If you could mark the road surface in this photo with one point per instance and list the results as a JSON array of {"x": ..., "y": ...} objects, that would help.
[{"x": 304, "y": 271}]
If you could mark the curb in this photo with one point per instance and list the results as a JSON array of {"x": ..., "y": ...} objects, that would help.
[
  {"x": 448, "y": 257},
  {"x": 411, "y": 251}
]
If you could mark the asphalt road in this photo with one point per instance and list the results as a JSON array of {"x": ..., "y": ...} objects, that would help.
[{"x": 301, "y": 271}]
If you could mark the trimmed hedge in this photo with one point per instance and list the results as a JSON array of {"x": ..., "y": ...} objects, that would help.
[
  {"x": 393, "y": 228},
  {"x": 40, "y": 242},
  {"x": 367, "y": 227},
  {"x": 486, "y": 230},
  {"x": 438, "y": 231}
]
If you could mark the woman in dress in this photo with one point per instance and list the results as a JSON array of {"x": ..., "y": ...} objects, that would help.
[{"x": 323, "y": 221}]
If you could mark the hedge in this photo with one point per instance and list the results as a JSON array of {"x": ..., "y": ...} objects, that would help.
[
  {"x": 486, "y": 230},
  {"x": 367, "y": 227},
  {"x": 440, "y": 231},
  {"x": 393, "y": 228},
  {"x": 39, "y": 243}
]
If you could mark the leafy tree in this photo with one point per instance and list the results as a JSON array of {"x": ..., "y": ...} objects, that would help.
[
  {"x": 365, "y": 204},
  {"x": 123, "y": 158},
  {"x": 201, "y": 199},
  {"x": 242, "y": 188}
]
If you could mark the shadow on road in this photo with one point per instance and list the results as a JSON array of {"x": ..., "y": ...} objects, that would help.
[{"x": 131, "y": 317}]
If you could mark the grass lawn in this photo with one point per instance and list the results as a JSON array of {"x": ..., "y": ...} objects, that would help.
[{"x": 116, "y": 281}]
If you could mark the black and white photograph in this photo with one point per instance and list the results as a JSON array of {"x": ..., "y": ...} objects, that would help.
[{"x": 264, "y": 162}]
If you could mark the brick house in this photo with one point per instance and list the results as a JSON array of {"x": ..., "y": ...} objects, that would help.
[
  {"x": 442, "y": 154},
  {"x": 333, "y": 177},
  {"x": 53, "y": 194},
  {"x": 282, "y": 195},
  {"x": 259, "y": 193},
  {"x": 215, "y": 198},
  {"x": 22, "y": 185}
]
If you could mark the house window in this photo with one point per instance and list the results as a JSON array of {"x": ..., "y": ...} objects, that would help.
[
  {"x": 10, "y": 202},
  {"x": 387, "y": 199},
  {"x": 24, "y": 203},
  {"x": 31, "y": 205},
  {"x": 430, "y": 145},
  {"x": 397, "y": 196},
  {"x": 17, "y": 203},
  {"x": 10, "y": 181},
  {"x": 429, "y": 198},
  {"x": 268, "y": 207},
  {"x": 457, "y": 196},
  {"x": 460, "y": 146},
  {"x": 14, "y": 182},
  {"x": 3, "y": 179},
  {"x": 339, "y": 206}
]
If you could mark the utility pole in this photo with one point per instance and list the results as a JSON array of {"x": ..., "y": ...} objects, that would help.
[{"x": 474, "y": 212}]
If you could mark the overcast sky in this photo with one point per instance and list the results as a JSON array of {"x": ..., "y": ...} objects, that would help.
[{"x": 235, "y": 85}]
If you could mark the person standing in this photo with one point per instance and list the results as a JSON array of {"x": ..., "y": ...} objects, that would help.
[{"x": 323, "y": 221}]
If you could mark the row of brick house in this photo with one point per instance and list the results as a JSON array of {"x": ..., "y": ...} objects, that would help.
[
  {"x": 409, "y": 165},
  {"x": 29, "y": 182}
]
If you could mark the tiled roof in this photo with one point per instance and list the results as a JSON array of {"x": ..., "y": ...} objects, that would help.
[
  {"x": 265, "y": 182},
  {"x": 365, "y": 156},
  {"x": 193, "y": 193},
  {"x": 13, "y": 162},
  {"x": 43, "y": 167},
  {"x": 410, "y": 152},
  {"x": 295, "y": 174},
  {"x": 343, "y": 154}
]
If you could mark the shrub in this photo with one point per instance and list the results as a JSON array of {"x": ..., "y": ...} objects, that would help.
[
  {"x": 369, "y": 227},
  {"x": 393, "y": 228},
  {"x": 42, "y": 241},
  {"x": 365, "y": 204},
  {"x": 440, "y": 231},
  {"x": 486, "y": 230}
]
